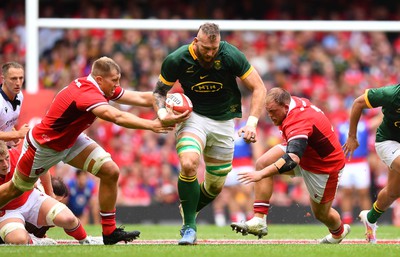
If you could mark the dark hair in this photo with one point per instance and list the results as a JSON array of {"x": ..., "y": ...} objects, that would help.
[{"x": 59, "y": 187}]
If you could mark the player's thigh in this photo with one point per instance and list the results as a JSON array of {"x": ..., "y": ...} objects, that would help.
[
  {"x": 87, "y": 155},
  {"x": 388, "y": 153},
  {"x": 393, "y": 183}
]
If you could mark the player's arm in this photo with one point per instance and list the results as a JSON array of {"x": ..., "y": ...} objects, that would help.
[
  {"x": 14, "y": 134},
  {"x": 45, "y": 180},
  {"x": 255, "y": 84},
  {"x": 137, "y": 98},
  {"x": 128, "y": 120},
  {"x": 358, "y": 106},
  {"x": 160, "y": 94},
  {"x": 285, "y": 164},
  {"x": 166, "y": 117}
]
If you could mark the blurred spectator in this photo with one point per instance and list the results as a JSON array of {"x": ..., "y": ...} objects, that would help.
[
  {"x": 82, "y": 198},
  {"x": 131, "y": 186},
  {"x": 236, "y": 197},
  {"x": 355, "y": 181}
]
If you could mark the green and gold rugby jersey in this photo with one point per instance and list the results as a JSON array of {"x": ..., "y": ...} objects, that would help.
[
  {"x": 389, "y": 98},
  {"x": 214, "y": 92}
]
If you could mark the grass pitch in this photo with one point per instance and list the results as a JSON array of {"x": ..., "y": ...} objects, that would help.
[{"x": 283, "y": 240}]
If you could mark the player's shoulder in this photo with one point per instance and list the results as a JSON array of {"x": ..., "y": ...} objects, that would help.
[
  {"x": 179, "y": 52},
  {"x": 228, "y": 49},
  {"x": 83, "y": 85}
]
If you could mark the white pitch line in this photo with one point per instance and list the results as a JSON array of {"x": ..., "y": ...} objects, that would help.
[{"x": 237, "y": 242}]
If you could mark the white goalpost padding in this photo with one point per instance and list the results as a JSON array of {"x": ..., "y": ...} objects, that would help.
[{"x": 34, "y": 23}]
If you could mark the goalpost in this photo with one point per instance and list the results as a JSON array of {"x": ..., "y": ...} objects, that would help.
[{"x": 34, "y": 23}]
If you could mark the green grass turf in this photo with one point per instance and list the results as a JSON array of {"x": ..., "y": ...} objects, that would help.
[{"x": 152, "y": 232}]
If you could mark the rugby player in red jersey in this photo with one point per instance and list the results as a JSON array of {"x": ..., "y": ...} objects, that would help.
[
  {"x": 60, "y": 137},
  {"x": 35, "y": 208},
  {"x": 311, "y": 150}
]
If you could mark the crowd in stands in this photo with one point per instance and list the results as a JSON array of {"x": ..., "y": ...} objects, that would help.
[{"x": 330, "y": 68}]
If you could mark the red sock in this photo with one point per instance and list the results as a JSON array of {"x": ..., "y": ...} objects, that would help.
[
  {"x": 261, "y": 207},
  {"x": 108, "y": 222},
  {"x": 337, "y": 232},
  {"x": 78, "y": 232}
]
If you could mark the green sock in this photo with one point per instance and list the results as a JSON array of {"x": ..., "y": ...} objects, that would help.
[
  {"x": 189, "y": 190},
  {"x": 204, "y": 198},
  {"x": 374, "y": 214}
]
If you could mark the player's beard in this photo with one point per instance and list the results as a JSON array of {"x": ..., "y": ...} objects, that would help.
[{"x": 205, "y": 64}]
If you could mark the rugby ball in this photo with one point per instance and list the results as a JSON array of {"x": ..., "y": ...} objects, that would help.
[{"x": 178, "y": 102}]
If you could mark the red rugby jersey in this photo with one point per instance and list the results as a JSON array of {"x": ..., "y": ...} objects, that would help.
[
  {"x": 324, "y": 153},
  {"x": 70, "y": 113}
]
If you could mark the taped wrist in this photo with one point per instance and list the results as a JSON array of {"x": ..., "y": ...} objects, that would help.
[
  {"x": 285, "y": 164},
  {"x": 161, "y": 113},
  {"x": 252, "y": 121}
]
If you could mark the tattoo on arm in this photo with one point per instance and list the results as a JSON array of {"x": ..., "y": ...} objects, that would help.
[{"x": 160, "y": 94}]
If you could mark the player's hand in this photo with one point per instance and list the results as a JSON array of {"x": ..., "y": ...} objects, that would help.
[
  {"x": 173, "y": 118},
  {"x": 350, "y": 146},
  {"x": 248, "y": 177},
  {"x": 23, "y": 130},
  {"x": 248, "y": 133},
  {"x": 159, "y": 127}
]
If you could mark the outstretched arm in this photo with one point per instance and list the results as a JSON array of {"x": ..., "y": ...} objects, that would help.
[
  {"x": 137, "y": 98},
  {"x": 352, "y": 143},
  {"x": 129, "y": 120},
  {"x": 255, "y": 84}
]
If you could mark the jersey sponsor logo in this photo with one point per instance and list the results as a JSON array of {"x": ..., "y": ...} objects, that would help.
[
  {"x": 6, "y": 109},
  {"x": 395, "y": 151},
  {"x": 203, "y": 77},
  {"x": 207, "y": 87},
  {"x": 397, "y": 124}
]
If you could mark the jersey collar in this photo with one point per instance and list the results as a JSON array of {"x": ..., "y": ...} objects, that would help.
[
  {"x": 15, "y": 102},
  {"x": 91, "y": 79},
  {"x": 191, "y": 51},
  {"x": 291, "y": 105}
]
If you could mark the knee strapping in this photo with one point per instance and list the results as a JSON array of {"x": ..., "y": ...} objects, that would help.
[
  {"x": 54, "y": 211},
  {"x": 99, "y": 156},
  {"x": 10, "y": 227},
  {"x": 215, "y": 177},
  {"x": 21, "y": 184},
  {"x": 188, "y": 144}
]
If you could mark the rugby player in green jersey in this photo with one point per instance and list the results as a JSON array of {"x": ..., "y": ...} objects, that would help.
[
  {"x": 387, "y": 145},
  {"x": 207, "y": 70}
]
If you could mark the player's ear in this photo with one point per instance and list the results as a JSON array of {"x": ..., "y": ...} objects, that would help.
[{"x": 99, "y": 79}]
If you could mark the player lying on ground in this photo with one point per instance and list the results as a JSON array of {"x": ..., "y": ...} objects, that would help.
[{"x": 36, "y": 208}]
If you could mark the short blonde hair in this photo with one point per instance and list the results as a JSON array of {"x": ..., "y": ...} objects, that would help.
[
  {"x": 211, "y": 30},
  {"x": 104, "y": 66},
  {"x": 278, "y": 95},
  {"x": 3, "y": 148}
]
